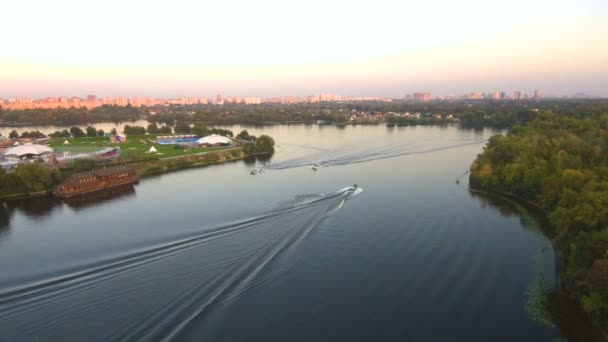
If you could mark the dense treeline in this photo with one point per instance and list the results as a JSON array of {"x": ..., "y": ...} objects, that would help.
[
  {"x": 72, "y": 116},
  {"x": 561, "y": 164},
  {"x": 28, "y": 178},
  {"x": 426, "y": 119},
  {"x": 472, "y": 114}
]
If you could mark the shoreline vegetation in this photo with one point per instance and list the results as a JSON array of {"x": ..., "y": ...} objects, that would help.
[
  {"x": 556, "y": 307},
  {"x": 37, "y": 179},
  {"x": 559, "y": 164},
  {"x": 467, "y": 113}
]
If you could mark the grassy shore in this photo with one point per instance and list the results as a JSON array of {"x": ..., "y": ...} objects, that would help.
[{"x": 134, "y": 148}]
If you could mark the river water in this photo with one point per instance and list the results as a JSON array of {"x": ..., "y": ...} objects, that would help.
[{"x": 217, "y": 254}]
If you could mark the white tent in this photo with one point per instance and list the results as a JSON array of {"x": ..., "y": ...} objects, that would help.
[
  {"x": 28, "y": 148},
  {"x": 66, "y": 142},
  {"x": 213, "y": 139},
  {"x": 152, "y": 149},
  {"x": 16, "y": 143}
]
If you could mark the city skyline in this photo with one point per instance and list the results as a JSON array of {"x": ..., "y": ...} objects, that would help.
[
  {"x": 93, "y": 101},
  {"x": 266, "y": 49}
]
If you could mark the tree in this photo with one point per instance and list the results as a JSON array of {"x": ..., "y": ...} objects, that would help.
[
  {"x": 13, "y": 134},
  {"x": 249, "y": 148},
  {"x": 264, "y": 144},
  {"x": 244, "y": 135},
  {"x": 81, "y": 165},
  {"x": 134, "y": 130},
  {"x": 182, "y": 127},
  {"x": 91, "y": 131},
  {"x": 199, "y": 130},
  {"x": 77, "y": 132},
  {"x": 153, "y": 128},
  {"x": 113, "y": 131},
  {"x": 37, "y": 177},
  {"x": 33, "y": 134},
  {"x": 165, "y": 130},
  {"x": 101, "y": 133}
]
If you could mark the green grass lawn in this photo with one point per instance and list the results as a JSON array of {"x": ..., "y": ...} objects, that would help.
[{"x": 135, "y": 146}]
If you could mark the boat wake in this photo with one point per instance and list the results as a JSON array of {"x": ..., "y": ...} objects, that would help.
[
  {"x": 173, "y": 283},
  {"x": 354, "y": 155}
]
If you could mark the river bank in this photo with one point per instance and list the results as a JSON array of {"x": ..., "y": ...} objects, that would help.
[
  {"x": 565, "y": 311},
  {"x": 155, "y": 167}
]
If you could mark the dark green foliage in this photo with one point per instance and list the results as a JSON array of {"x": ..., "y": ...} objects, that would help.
[
  {"x": 81, "y": 165},
  {"x": 264, "y": 144},
  {"x": 561, "y": 164},
  {"x": 91, "y": 131},
  {"x": 249, "y": 148},
  {"x": 33, "y": 134},
  {"x": 244, "y": 135},
  {"x": 32, "y": 177},
  {"x": 153, "y": 128},
  {"x": 72, "y": 116},
  {"x": 165, "y": 130},
  {"x": 60, "y": 134},
  {"x": 181, "y": 128},
  {"x": 13, "y": 134},
  {"x": 77, "y": 132},
  {"x": 100, "y": 133},
  {"x": 199, "y": 130},
  {"x": 134, "y": 130}
]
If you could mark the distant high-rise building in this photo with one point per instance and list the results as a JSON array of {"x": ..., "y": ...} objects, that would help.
[
  {"x": 475, "y": 96},
  {"x": 538, "y": 94},
  {"x": 107, "y": 101},
  {"x": 517, "y": 95},
  {"x": 75, "y": 101},
  {"x": 408, "y": 97},
  {"x": 422, "y": 97},
  {"x": 493, "y": 96},
  {"x": 91, "y": 98}
]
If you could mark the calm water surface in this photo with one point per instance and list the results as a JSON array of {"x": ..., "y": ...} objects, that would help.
[{"x": 216, "y": 254}]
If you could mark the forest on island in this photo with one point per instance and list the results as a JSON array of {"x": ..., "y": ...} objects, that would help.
[{"x": 560, "y": 163}]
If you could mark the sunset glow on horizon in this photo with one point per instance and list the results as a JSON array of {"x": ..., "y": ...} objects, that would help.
[{"x": 269, "y": 49}]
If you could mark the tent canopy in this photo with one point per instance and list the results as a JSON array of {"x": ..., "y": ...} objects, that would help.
[
  {"x": 66, "y": 142},
  {"x": 152, "y": 149},
  {"x": 213, "y": 139},
  {"x": 27, "y": 149}
]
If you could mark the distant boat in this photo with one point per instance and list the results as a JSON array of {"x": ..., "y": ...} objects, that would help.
[{"x": 257, "y": 170}]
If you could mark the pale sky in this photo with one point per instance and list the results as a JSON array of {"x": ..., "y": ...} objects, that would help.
[{"x": 276, "y": 48}]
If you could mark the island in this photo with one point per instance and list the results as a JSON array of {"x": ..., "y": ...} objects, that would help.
[{"x": 64, "y": 162}]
